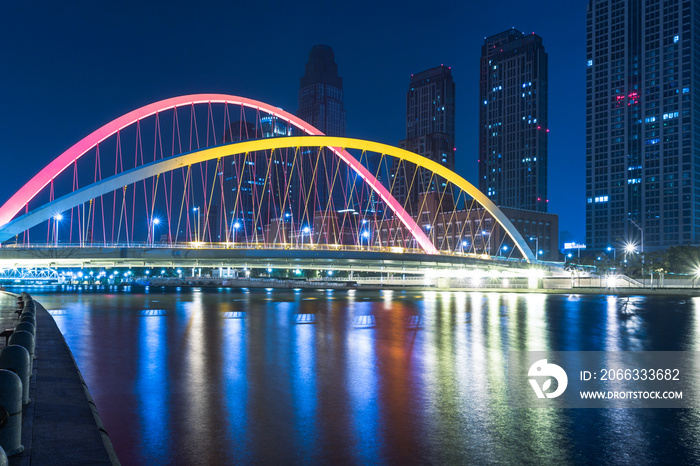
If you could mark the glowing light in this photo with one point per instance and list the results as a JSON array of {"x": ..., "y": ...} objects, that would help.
[
  {"x": 156, "y": 221},
  {"x": 630, "y": 248},
  {"x": 611, "y": 281},
  {"x": 236, "y": 225},
  {"x": 306, "y": 230},
  {"x": 365, "y": 234},
  {"x": 58, "y": 217}
]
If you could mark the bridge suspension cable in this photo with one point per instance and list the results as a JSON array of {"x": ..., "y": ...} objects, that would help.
[{"x": 208, "y": 177}]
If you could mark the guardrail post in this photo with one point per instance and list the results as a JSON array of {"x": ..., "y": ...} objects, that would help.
[
  {"x": 26, "y": 340},
  {"x": 10, "y": 412},
  {"x": 16, "y": 359}
]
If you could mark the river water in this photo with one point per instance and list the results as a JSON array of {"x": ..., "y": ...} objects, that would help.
[{"x": 229, "y": 376}]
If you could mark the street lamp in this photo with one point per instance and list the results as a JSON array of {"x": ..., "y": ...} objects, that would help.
[
  {"x": 56, "y": 218},
  {"x": 196, "y": 227},
  {"x": 305, "y": 231},
  {"x": 365, "y": 235},
  {"x": 235, "y": 226},
  {"x": 641, "y": 231},
  {"x": 488, "y": 243},
  {"x": 154, "y": 222},
  {"x": 614, "y": 251},
  {"x": 537, "y": 246}
]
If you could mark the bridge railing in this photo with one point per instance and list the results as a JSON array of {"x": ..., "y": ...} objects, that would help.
[{"x": 252, "y": 245}]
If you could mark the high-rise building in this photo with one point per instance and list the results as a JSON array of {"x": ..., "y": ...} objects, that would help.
[
  {"x": 321, "y": 105},
  {"x": 249, "y": 200},
  {"x": 643, "y": 123},
  {"x": 513, "y": 120},
  {"x": 430, "y": 132},
  {"x": 321, "y": 93}
]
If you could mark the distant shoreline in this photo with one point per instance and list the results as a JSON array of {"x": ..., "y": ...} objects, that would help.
[{"x": 305, "y": 285}]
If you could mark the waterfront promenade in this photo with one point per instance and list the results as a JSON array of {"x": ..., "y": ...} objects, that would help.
[{"x": 60, "y": 424}]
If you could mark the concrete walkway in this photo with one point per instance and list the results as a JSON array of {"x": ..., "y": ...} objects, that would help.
[{"x": 60, "y": 425}]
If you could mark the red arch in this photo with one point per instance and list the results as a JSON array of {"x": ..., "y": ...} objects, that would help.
[{"x": 27, "y": 192}]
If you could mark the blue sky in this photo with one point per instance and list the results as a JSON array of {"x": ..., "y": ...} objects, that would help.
[{"x": 67, "y": 68}]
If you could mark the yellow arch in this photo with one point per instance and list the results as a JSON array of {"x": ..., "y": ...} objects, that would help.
[
  {"x": 336, "y": 144},
  {"x": 340, "y": 143}
]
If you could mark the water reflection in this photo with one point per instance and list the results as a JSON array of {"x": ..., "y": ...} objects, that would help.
[{"x": 272, "y": 376}]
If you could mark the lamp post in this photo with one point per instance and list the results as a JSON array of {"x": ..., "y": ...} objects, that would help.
[
  {"x": 614, "y": 251},
  {"x": 56, "y": 218},
  {"x": 196, "y": 226},
  {"x": 537, "y": 246},
  {"x": 305, "y": 231},
  {"x": 235, "y": 227},
  {"x": 154, "y": 222},
  {"x": 488, "y": 242},
  {"x": 365, "y": 235},
  {"x": 641, "y": 231}
]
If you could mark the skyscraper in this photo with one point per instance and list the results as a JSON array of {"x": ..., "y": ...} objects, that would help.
[
  {"x": 643, "y": 123},
  {"x": 513, "y": 120},
  {"x": 321, "y": 93},
  {"x": 430, "y": 132},
  {"x": 321, "y": 105}
]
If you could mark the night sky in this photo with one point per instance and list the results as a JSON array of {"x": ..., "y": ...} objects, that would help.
[{"x": 67, "y": 68}]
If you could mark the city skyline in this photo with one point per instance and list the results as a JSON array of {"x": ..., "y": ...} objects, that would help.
[{"x": 92, "y": 81}]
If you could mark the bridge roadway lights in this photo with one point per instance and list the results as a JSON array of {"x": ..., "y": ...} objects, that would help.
[
  {"x": 10, "y": 412},
  {"x": 16, "y": 358},
  {"x": 216, "y": 256}
]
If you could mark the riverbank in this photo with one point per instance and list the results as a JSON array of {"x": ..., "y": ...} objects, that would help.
[{"x": 60, "y": 424}]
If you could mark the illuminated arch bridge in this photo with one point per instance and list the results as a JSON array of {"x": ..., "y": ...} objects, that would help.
[{"x": 223, "y": 180}]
